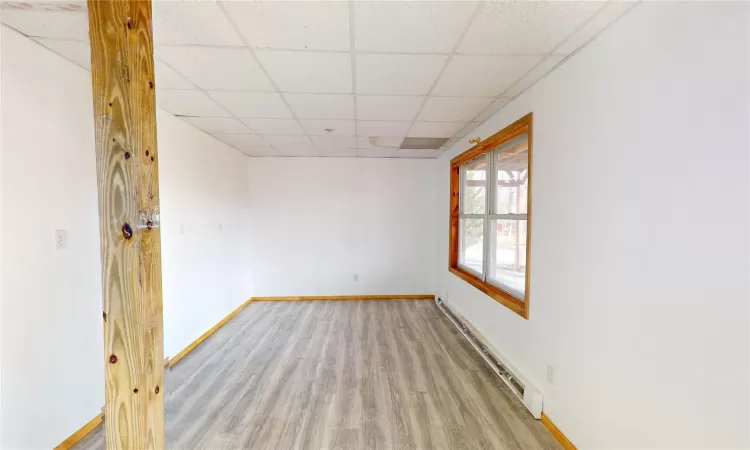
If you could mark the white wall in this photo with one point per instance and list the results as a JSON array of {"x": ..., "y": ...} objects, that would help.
[
  {"x": 205, "y": 270},
  {"x": 316, "y": 222},
  {"x": 639, "y": 259},
  {"x": 51, "y": 313},
  {"x": 51, "y": 345}
]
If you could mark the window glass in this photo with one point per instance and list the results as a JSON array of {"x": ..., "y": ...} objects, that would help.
[
  {"x": 474, "y": 186},
  {"x": 512, "y": 176},
  {"x": 507, "y": 269},
  {"x": 471, "y": 244}
]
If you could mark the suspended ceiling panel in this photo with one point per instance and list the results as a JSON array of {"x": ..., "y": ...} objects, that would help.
[{"x": 338, "y": 78}]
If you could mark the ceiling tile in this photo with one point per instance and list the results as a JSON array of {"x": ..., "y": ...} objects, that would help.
[
  {"x": 419, "y": 27},
  {"x": 267, "y": 105},
  {"x": 611, "y": 11},
  {"x": 491, "y": 110},
  {"x": 217, "y": 68},
  {"x": 55, "y": 25},
  {"x": 262, "y": 152},
  {"x": 289, "y": 142},
  {"x": 397, "y": 74},
  {"x": 468, "y": 128},
  {"x": 46, "y": 5},
  {"x": 214, "y": 125},
  {"x": 274, "y": 126},
  {"x": 308, "y": 71},
  {"x": 248, "y": 144},
  {"x": 309, "y": 151},
  {"x": 376, "y": 107},
  {"x": 482, "y": 76},
  {"x": 79, "y": 53},
  {"x": 435, "y": 129},
  {"x": 306, "y": 25},
  {"x": 376, "y": 153},
  {"x": 449, "y": 143},
  {"x": 75, "y": 51},
  {"x": 325, "y": 143},
  {"x": 243, "y": 141},
  {"x": 423, "y": 143},
  {"x": 452, "y": 109},
  {"x": 192, "y": 23},
  {"x": 318, "y": 127},
  {"x": 525, "y": 28},
  {"x": 333, "y": 153},
  {"x": 321, "y": 106},
  {"x": 382, "y": 128},
  {"x": 168, "y": 78},
  {"x": 379, "y": 142},
  {"x": 188, "y": 103},
  {"x": 534, "y": 75},
  {"x": 417, "y": 153}
]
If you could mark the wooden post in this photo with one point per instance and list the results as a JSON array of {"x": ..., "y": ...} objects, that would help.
[{"x": 122, "y": 75}]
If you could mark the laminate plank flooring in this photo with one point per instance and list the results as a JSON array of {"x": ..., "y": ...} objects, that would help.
[{"x": 391, "y": 374}]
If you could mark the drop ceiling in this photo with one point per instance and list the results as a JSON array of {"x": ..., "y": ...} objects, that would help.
[{"x": 338, "y": 78}]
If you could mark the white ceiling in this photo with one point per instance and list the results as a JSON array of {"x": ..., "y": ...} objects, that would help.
[{"x": 269, "y": 78}]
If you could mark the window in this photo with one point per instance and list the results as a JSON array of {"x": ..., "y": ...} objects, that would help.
[{"x": 490, "y": 202}]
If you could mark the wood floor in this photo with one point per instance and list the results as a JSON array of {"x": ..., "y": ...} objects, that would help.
[{"x": 340, "y": 375}]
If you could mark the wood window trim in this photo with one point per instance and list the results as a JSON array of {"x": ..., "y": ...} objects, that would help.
[{"x": 517, "y": 128}]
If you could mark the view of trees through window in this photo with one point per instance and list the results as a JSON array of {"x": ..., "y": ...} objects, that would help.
[
  {"x": 507, "y": 215},
  {"x": 476, "y": 187}
]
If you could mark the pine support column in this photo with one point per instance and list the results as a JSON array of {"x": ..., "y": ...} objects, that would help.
[{"x": 122, "y": 74}]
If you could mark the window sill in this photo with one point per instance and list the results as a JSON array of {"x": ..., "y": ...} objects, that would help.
[{"x": 517, "y": 306}]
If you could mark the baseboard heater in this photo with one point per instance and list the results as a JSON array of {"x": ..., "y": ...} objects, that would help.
[{"x": 529, "y": 395}]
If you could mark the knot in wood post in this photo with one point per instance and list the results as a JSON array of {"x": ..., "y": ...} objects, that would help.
[{"x": 127, "y": 232}]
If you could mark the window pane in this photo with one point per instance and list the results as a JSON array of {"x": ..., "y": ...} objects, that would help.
[
  {"x": 475, "y": 185},
  {"x": 508, "y": 263},
  {"x": 512, "y": 165},
  {"x": 471, "y": 244}
]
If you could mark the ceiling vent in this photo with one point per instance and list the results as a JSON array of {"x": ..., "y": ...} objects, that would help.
[{"x": 423, "y": 143}]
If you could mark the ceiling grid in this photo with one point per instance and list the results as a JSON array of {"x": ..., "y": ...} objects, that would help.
[
  {"x": 353, "y": 68},
  {"x": 276, "y": 88},
  {"x": 445, "y": 66},
  {"x": 349, "y": 78}
]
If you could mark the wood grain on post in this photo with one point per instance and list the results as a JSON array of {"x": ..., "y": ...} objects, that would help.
[{"x": 122, "y": 74}]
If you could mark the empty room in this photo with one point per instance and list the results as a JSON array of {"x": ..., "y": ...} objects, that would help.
[{"x": 396, "y": 224}]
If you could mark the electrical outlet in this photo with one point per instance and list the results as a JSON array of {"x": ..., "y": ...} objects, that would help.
[
  {"x": 221, "y": 226},
  {"x": 551, "y": 373},
  {"x": 356, "y": 277},
  {"x": 61, "y": 239},
  {"x": 182, "y": 229}
]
